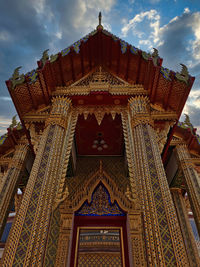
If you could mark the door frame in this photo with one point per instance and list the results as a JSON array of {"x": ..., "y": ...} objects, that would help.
[{"x": 119, "y": 222}]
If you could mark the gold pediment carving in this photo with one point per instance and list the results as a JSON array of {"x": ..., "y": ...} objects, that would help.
[
  {"x": 84, "y": 192},
  {"x": 101, "y": 80}
]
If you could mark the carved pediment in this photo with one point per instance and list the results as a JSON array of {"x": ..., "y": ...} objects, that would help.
[{"x": 101, "y": 80}]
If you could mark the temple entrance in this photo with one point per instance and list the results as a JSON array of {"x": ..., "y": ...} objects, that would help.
[
  {"x": 99, "y": 236},
  {"x": 99, "y": 245}
]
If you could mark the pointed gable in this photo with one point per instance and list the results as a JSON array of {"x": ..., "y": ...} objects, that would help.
[{"x": 100, "y": 48}]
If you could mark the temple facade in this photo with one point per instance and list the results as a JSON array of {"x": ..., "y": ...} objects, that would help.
[{"x": 100, "y": 172}]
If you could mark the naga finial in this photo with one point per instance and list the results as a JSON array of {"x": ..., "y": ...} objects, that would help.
[
  {"x": 17, "y": 78},
  {"x": 187, "y": 120},
  {"x": 184, "y": 74},
  {"x": 15, "y": 124},
  {"x": 16, "y": 73},
  {"x": 155, "y": 56},
  {"x": 184, "y": 70},
  {"x": 100, "y": 27},
  {"x": 45, "y": 56},
  {"x": 155, "y": 53}
]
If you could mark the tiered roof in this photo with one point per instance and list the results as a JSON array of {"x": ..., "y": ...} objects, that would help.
[
  {"x": 165, "y": 88},
  {"x": 100, "y": 48}
]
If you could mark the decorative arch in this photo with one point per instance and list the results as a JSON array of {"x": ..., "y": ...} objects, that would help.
[
  {"x": 112, "y": 210},
  {"x": 85, "y": 191}
]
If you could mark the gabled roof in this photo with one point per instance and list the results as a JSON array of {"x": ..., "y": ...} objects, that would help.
[{"x": 100, "y": 48}]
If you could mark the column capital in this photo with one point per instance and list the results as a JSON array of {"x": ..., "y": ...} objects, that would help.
[
  {"x": 139, "y": 105},
  {"x": 139, "y": 108},
  {"x": 59, "y": 113}
]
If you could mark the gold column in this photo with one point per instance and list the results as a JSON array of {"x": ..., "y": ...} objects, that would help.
[
  {"x": 64, "y": 242},
  {"x": 164, "y": 244},
  {"x": 27, "y": 240},
  {"x": 186, "y": 228},
  {"x": 136, "y": 239},
  {"x": 135, "y": 228},
  {"x": 1, "y": 179},
  {"x": 192, "y": 181},
  {"x": 9, "y": 181}
]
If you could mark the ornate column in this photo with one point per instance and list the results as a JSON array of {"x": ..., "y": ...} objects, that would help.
[
  {"x": 64, "y": 238},
  {"x": 186, "y": 228},
  {"x": 192, "y": 181},
  {"x": 164, "y": 243},
  {"x": 135, "y": 224},
  {"x": 27, "y": 241},
  {"x": 1, "y": 179},
  {"x": 9, "y": 181}
]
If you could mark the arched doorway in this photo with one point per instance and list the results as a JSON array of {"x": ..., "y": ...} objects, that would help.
[{"x": 99, "y": 234}]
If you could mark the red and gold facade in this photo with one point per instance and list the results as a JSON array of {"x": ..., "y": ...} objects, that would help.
[{"x": 97, "y": 118}]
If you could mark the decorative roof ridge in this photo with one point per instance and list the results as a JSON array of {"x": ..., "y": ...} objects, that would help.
[
  {"x": 14, "y": 126},
  {"x": 187, "y": 125},
  {"x": 32, "y": 76}
]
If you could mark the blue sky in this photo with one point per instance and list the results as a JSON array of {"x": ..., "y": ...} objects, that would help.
[{"x": 28, "y": 27}]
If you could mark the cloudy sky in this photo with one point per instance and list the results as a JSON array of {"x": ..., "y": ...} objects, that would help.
[{"x": 28, "y": 27}]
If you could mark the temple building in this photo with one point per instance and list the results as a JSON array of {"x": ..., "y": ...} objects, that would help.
[{"x": 99, "y": 171}]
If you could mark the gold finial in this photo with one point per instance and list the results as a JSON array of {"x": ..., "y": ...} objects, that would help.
[
  {"x": 100, "y": 27},
  {"x": 100, "y": 16}
]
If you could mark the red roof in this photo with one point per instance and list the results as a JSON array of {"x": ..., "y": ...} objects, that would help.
[{"x": 99, "y": 48}]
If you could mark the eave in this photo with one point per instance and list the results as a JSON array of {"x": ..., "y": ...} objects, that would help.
[
  {"x": 119, "y": 58},
  {"x": 13, "y": 136}
]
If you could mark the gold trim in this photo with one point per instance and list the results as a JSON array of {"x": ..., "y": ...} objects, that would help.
[{"x": 102, "y": 227}]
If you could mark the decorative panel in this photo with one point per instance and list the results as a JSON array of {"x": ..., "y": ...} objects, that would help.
[{"x": 100, "y": 205}]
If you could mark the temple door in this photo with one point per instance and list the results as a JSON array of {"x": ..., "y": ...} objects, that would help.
[{"x": 99, "y": 235}]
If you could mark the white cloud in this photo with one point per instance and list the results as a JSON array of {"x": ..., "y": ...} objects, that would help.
[
  {"x": 186, "y": 10},
  {"x": 151, "y": 15},
  {"x": 87, "y": 10},
  {"x": 5, "y": 36},
  {"x": 180, "y": 35},
  {"x": 5, "y": 98},
  {"x": 59, "y": 35},
  {"x": 145, "y": 26},
  {"x": 4, "y": 124},
  {"x": 39, "y": 5}
]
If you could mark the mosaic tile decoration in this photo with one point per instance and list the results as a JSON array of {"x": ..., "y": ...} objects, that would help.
[
  {"x": 113, "y": 166},
  {"x": 168, "y": 250},
  {"x": 96, "y": 260},
  {"x": 100, "y": 205},
  {"x": 52, "y": 243},
  {"x": 9, "y": 176},
  {"x": 188, "y": 241},
  {"x": 27, "y": 227}
]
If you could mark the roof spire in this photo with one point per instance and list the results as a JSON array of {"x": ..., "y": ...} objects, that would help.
[
  {"x": 100, "y": 16},
  {"x": 100, "y": 27}
]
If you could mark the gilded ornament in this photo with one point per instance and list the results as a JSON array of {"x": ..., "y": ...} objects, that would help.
[
  {"x": 45, "y": 57},
  {"x": 16, "y": 78},
  {"x": 183, "y": 75}
]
